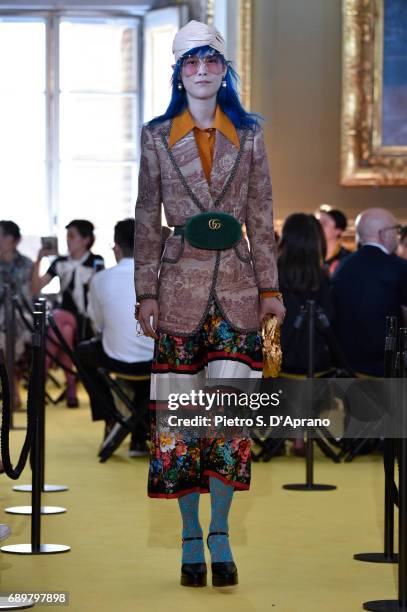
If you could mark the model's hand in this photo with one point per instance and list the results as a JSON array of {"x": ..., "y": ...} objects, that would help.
[
  {"x": 271, "y": 305},
  {"x": 148, "y": 308}
]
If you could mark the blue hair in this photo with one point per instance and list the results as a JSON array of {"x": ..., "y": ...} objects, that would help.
[{"x": 227, "y": 97}]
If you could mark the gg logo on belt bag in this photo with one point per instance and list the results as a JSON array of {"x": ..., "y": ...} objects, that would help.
[{"x": 214, "y": 224}]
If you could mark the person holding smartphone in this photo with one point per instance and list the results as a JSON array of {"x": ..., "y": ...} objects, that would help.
[{"x": 74, "y": 271}]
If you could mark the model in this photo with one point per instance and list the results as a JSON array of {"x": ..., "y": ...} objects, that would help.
[{"x": 204, "y": 300}]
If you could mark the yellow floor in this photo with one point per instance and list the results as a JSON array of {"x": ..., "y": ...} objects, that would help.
[{"x": 293, "y": 549}]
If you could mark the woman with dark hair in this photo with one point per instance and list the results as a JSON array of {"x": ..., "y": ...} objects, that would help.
[
  {"x": 74, "y": 271},
  {"x": 302, "y": 252},
  {"x": 300, "y": 267},
  {"x": 205, "y": 160},
  {"x": 16, "y": 271},
  {"x": 333, "y": 223}
]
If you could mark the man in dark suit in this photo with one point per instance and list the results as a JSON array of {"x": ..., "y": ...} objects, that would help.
[{"x": 368, "y": 286}]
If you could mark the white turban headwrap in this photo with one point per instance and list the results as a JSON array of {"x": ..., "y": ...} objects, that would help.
[{"x": 197, "y": 34}]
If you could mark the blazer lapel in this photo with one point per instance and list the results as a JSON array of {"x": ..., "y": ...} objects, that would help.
[
  {"x": 185, "y": 156},
  {"x": 224, "y": 159}
]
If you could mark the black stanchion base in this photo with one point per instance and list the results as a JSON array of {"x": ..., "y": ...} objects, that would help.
[
  {"x": 28, "y": 510},
  {"x": 12, "y": 605},
  {"x": 377, "y": 557},
  {"x": 26, "y": 549},
  {"x": 310, "y": 487},
  {"x": 47, "y": 488},
  {"x": 384, "y": 605}
]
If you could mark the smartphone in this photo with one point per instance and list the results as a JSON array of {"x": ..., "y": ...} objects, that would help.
[{"x": 50, "y": 244}]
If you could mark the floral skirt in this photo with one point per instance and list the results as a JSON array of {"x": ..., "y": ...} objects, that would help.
[{"x": 182, "y": 464}]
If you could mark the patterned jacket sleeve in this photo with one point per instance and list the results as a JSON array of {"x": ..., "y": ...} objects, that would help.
[
  {"x": 147, "y": 239},
  {"x": 259, "y": 218}
]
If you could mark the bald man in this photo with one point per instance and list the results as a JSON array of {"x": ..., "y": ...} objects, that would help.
[
  {"x": 370, "y": 285},
  {"x": 377, "y": 227}
]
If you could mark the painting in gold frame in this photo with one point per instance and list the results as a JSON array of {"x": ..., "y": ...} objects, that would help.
[{"x": 373, "y": 143}]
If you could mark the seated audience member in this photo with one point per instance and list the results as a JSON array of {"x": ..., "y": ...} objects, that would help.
[
  {"x": 402, "y": 247},
  {"x": 302, "y": 278},
  {"x": 333, "y": 223},
  {"x": 370, "y": 285},
  {"x": 16, "y": 270},
  {"x": 74, "y": 272},
  {"x": 111, "y": 307}
]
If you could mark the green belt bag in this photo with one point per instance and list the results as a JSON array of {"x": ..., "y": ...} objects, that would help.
[{"x": 211, "y": 230}]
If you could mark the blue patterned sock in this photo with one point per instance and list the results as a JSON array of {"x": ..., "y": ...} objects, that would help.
[
  {"x": 221, "y": 499},
  {"x": 192, "y": 550}
]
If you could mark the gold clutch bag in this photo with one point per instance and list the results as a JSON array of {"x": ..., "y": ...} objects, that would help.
[{"x": 270, "y": 333}]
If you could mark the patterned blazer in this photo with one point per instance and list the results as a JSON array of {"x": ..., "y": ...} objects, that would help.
[{"x": 186, "y": 279}]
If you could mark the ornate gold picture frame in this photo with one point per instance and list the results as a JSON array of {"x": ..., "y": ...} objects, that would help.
[
  {"x": 368, "y": 154},
  {"x": 242, "y": 11}
]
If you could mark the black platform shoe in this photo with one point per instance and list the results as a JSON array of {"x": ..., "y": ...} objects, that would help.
[
  {"x": 193, "y": 574},
  {"x": 224, "y": 573}
]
